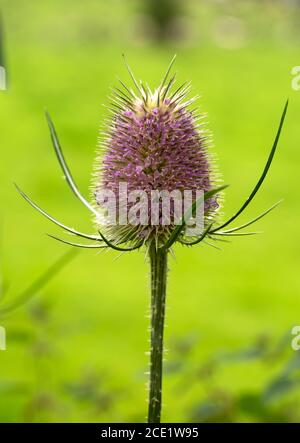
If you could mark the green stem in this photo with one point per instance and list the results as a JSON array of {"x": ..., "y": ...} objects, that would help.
[{"x": 158, "y": 262}]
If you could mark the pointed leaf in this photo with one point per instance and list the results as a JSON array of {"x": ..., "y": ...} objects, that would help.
[
  {"x": 195, "y": 242},
  {"x": 78, "y": 245},
  {"x": 118, "y": 248},
  {"x": 65, "y": 167},
  {"x": 177, "y": 231},
  {"x": 254, "y": 219},
  {"x": 54, "y": 220},
  {"x": 263, "y": 176}
]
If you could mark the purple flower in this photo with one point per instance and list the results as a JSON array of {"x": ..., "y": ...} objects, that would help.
[{"x": 154, "y": 143}]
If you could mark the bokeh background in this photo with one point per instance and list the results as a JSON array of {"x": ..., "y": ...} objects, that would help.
[{"x": 76, "y": 350}]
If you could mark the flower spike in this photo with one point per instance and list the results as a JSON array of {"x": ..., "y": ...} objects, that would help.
[
  {"x": 165, "y": 79},
  {"x": 168, "y": 87},
  {"x": 133, "y": 77},
  {"x": 167, "y": 72}
]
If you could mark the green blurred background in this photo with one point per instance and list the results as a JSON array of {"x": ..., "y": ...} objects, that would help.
[{"x": 76, "y": 352}]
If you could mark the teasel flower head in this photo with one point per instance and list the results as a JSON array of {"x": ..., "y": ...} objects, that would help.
[{"x": 154, "y": 141}]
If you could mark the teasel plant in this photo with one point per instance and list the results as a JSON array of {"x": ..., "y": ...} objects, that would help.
[{"x": 155, "y": 140}]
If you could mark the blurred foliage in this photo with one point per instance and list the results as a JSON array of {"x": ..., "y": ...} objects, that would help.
[
  {"x": 276, "y": 401},
  {"x": 38, "y": 284},
  {"x": 163, "y": 16},
  {"x": 39, "y": 313},
  {"x": 77, "y": 354}
]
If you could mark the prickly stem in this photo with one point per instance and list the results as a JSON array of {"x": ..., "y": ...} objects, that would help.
[{"x": 158, "y": 263}]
